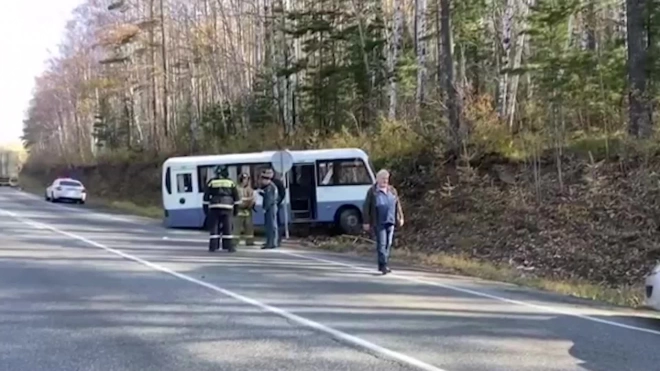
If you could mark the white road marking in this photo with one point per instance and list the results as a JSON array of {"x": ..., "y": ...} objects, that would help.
[
  {"x": 544, "y": 308},
  {"x": 348, "y": 338},
  {"x": 53, "y": 206}
]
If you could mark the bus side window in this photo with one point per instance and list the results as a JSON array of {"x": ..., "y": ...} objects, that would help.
[
  {"x": 204, "y": 173},
  {"x": 326, "y": 174},
  {"x": 343, "y": 172},
  {"x": 233, "y": 172},
  {"x": 168, "y": 181},
  {"x": 184, "y": 183}
]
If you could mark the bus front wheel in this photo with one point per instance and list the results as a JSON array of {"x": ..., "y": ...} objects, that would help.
[{"x": 349, "y": 220}]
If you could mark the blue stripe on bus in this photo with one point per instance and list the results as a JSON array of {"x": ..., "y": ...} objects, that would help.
[
  {"x": 184, "y": 218},
  {"x": 194, "y": 217}
]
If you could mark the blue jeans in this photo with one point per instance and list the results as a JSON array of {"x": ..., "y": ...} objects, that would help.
[
  {"x": 384, "y": 237},
  {"x": 272, "y": 229},
  {"x": 280, "y": 224}
]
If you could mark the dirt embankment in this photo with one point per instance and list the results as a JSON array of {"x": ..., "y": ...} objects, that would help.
[{"x": 599, "y": 222}]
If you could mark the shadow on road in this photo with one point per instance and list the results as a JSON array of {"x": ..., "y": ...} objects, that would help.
[
  {"x": 615, "y": 352},
  {"x": 78, "y": 317}
]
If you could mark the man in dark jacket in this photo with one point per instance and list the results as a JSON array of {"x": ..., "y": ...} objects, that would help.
[
  {"x": 270, "y": 196},
  {"x": 221, "y": 200},
  {"x": 281, "y": 194},
  {"x": 382, "y": 212}
]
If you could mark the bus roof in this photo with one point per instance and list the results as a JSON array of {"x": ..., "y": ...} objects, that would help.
[{"x": 265, "y": 156}]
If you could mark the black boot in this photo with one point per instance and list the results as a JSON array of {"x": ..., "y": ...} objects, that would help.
[{"x": 228, "y": 245}]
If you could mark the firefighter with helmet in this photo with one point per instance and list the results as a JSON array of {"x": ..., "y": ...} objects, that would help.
[{"x": 221, "y": 200}]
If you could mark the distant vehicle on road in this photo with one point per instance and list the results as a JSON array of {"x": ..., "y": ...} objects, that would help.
[
  {"x": 66, "y": 189},
  {"x": 9, "y": 168},
  {"x": 9, "y": 182},
  {"x": 325, "y": 186},
  {"x": 653, "y": 288}
]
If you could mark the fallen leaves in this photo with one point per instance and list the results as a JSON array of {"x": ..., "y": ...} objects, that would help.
[{"x": 603, "y": 229}]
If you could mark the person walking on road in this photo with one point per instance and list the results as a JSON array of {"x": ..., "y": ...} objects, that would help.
[
  {"x": 244, "y": 225},
  {"x": 220, "y": 206},
  {"x": 382, "y": 211},
  {"x": 270, "y": 195}
]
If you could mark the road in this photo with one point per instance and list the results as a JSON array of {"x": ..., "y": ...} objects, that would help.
[{"x": 84, "y": 290}]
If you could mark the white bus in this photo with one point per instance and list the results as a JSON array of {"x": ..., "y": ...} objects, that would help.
[{"x": 324, "y": 186}]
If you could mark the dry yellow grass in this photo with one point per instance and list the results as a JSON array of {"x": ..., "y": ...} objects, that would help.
[{"x": 623, "y": 296}]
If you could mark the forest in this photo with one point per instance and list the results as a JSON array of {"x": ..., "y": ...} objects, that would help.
[{"x": 520, "y": 131}]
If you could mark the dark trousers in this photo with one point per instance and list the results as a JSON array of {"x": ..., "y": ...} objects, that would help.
[
  {"x": 280, "y": 224},
  {"x": 220, "y": 228},
  {"x": 272, "y": 230},
  {"x": 384, "y": 237}
]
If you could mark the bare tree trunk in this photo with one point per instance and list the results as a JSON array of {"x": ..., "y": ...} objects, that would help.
[
  {"x": 590, "y": 25},
  {"x": 639, "y": 103},
  {"x": 152, "y": 67},
  {"x": 286, "y": 84},
  {"x": 166, "y": 121},
  {"x": 507, "y": 25},
  {"x": 451, "y": 99},
  {"x": 520, "y": 47},
  {"x": 365, "y": 59},
  {"x": 393, "y": 56},
  {"x": 438, "y": 28},
  {"x": 420, "y": 46}
]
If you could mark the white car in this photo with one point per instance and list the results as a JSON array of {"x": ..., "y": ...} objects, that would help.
[
  {"x": 66, "y": 189},
  {"x": 653, "y": 288}
]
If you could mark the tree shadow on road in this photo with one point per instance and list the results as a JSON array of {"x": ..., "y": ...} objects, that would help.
[{"x": 80, "y": 316}]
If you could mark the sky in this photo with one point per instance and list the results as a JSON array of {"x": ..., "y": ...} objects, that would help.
[{"x": 30, "y": 31}]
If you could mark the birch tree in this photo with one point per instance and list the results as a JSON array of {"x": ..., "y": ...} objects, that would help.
[
  {"x": 420, "y": 48},
  {"x": 393, "y": 55}
]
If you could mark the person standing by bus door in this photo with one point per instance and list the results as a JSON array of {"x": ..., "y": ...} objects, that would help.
[
  {"x": 281, "y": 194},
  {"x": 221, "y": 198},
  {"x": 269, "y": 193},
  {"x": 244, "y": 225}
]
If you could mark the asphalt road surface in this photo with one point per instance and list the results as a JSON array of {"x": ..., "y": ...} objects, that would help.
[{"x": 83, "y": 290}]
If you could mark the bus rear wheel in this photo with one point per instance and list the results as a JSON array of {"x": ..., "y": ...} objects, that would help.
[{"x": 349, "y": 221}]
